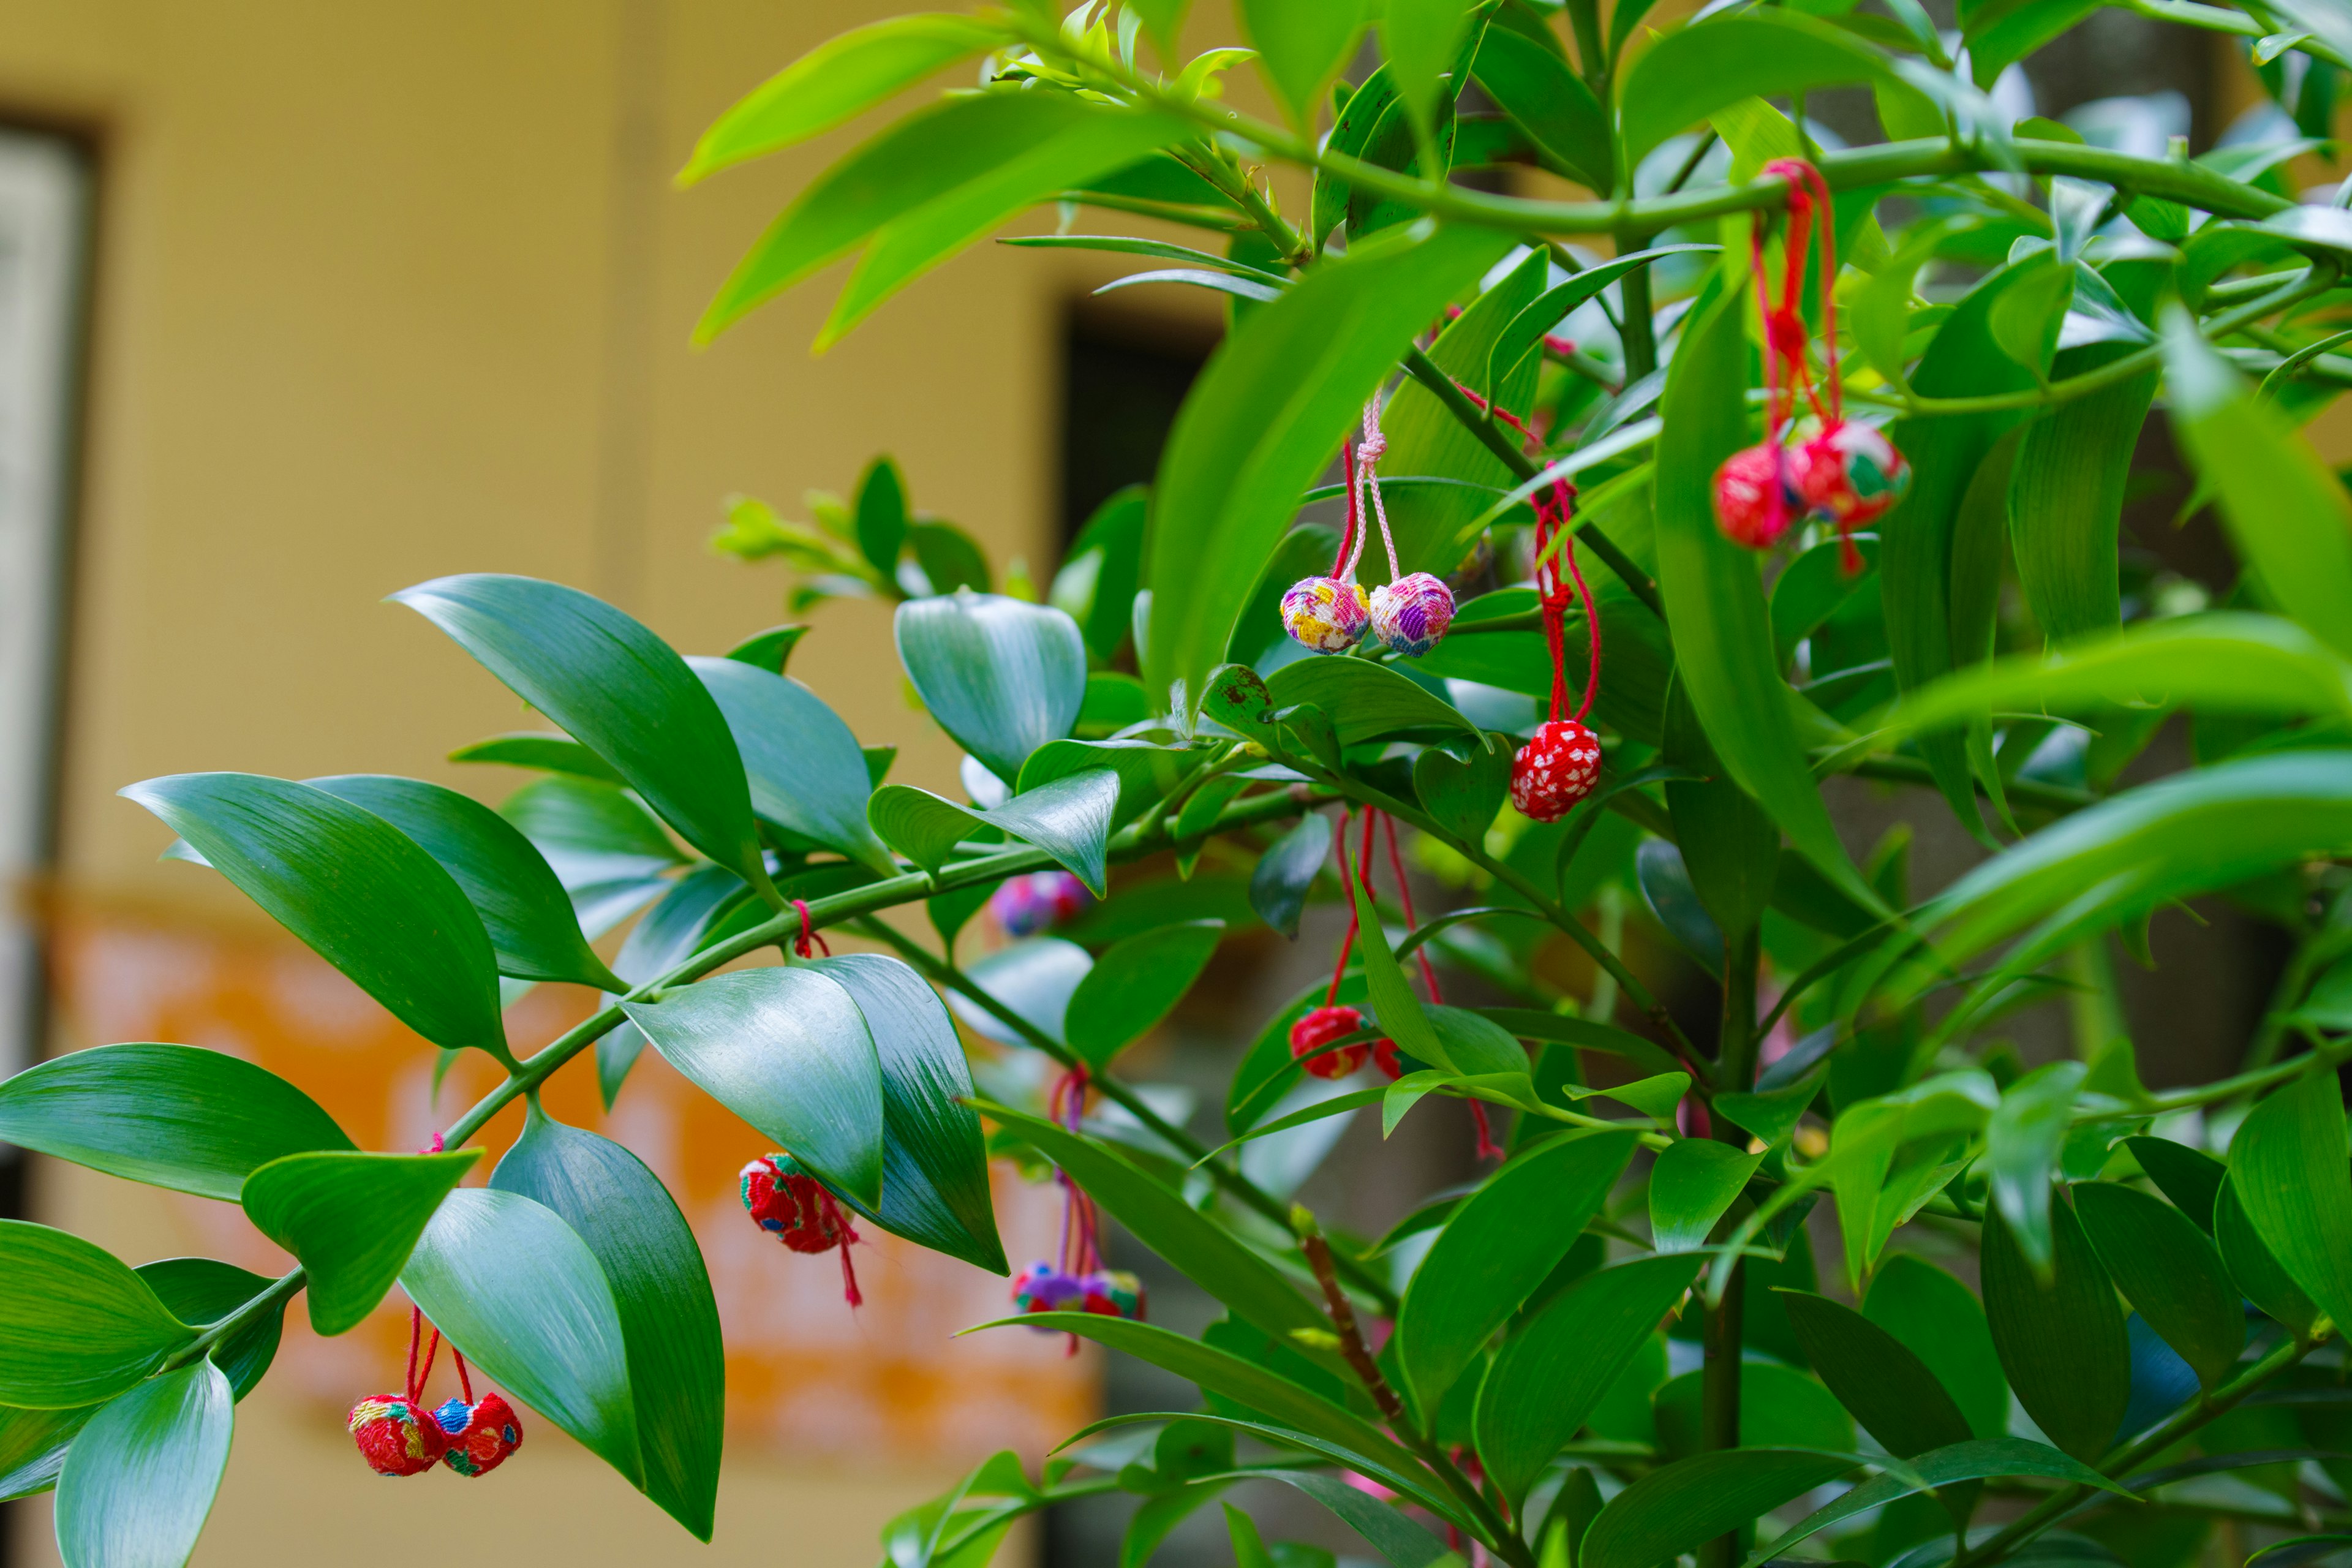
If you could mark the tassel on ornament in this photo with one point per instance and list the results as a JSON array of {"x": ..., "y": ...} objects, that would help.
[{"x": 794, "y": 1206}]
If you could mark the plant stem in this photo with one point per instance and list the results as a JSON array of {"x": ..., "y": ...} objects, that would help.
[
  {"x": 1735, "y": 1069},
  {"x": 280, "y": 1290},
  {"x": 1638, "y": 332}
]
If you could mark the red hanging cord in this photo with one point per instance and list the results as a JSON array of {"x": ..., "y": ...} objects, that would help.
[
  {"x": 1348, "y": 536},
  {"x": 802, "y": 947}
]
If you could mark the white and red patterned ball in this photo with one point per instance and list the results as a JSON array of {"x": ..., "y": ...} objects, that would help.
[
  {"x": 1556, "y": 768},
  {"x": 1850, "y": 475}
]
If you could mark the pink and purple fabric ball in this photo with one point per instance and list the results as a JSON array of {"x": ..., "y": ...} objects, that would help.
[
  {"x": 1556, "y": 768},
  {"x": 1412, "y": 613},
  {"x": 1039, "y": 901},
  {"x": 1324, "y": 615}
]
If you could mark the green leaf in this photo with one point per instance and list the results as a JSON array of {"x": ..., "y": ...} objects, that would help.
[
  {"x": 840, "y": 79},
  {"x": 1259, "y": 426},
  {"x": 1522, "y": 337},
  {"x": 1694, "y": 71},
  {"x": 1404, "y": 1543},
  {"x": 1286, "y": 873},
  {"x": 1675, "y": 1507},
  {"x": 204, "y": 1290},
  {"x": 33, "y": 1446},
  {"x": 2023, "y": 1137},
  {"x": 1367, "y": 701},
  {"x": 140, "y": 1481},
  {"x": 1496, "y": 1248},
  {"x": 356, "y": 889},
  {"x": 1069, "y": 819},
  {"x": 1693, "y": 1181},
  {"x": 595, "y": 835},
  {"x": 880, "y": 519},
  {"x": 171, "y": 1116},
  {"x": 540, "y": 749},
  {"x": 661, "y": 1293},
  {"x": 353, "y": 1219},
  {"x": 2254, "y": 1268},
  {"x": 616, "y": 688},
  {"x": 1146, "y": 770},
  {"x": 1301, "y": 48},
  {"x": 1461, "y": 797},
  {"x": 2288, "y": 1166},
  {"x": 1001, "y": 677},
  {"x": 1555, "y": 1369},
  {"x": 1779, "y": 1407},
  {"x": 683, "y": 921},
  {"x": 1546, "y": 99},
  {"x": 1714, "y": 598},
  {"x": 1529, "y": 1024},
  {"x": 2170, "y": 1272},
  {"x": 1890, "y": 1391},
  {"x": 1938, "y": 1318},
  {"x": 2190, "y": 1177},
  {"x": 1391, "y": 993},
  {"x": 2066, "y": 500},
  {"x": 788, "y": 1051},
  {"x": 934, "y": 1165},
  {"x": 1034, "y": 979},
  {"x": 1727, "y": 843},
  {"x": 77, "y": 1326},
  {"x": 1946, "y": 1468},
  {"x": 1418, "y": 41},
  {"x": 520, "y": 1292},
  {"x": 962, "y": 146},
  {"x": 2061, "y": 1342},
  {"x": 2287, "y": 515},
  {"x": 805, "y": 770},
  {"x": 769, "y": 650},
  {"x": 1095, "y": 586},
  {"x": 523, "y": 906},
  {"x": 1134, "y": 984}
]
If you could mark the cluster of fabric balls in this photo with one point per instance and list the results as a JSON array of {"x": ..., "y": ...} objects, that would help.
[
  {"x": 791, "y": 1204},
  {"x": 1558, "y": 767},
  {"x": 1327, "y": 614},
  {"x": 1848, "y": 476},
  {"x": 1320, "y": 1026},
  {"x": 398, "y": 1437},
  {"x": 1112, "y": 1292},
  {"x": 1039, "y": 901}
]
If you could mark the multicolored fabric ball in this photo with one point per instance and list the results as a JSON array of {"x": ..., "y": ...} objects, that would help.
[
  {"x": 1324, "y": 615},
  {"x": 1114, "y": 1293},
  {"x": 396, "y": 1437},
  {"x": 1027, "y": 905},
  {"x": 1320, "y": 1027},
  {"x": 1041, "y": 1288},
  {"x": 1556, "y": 768},
  {"x": 481, "y": 1435},
  {"x": 786, "y": 1200},
  {"x": 1411, "y": 613},
  {"x": 1848, "y": 474},
  {"x": 1745, "y": 487}
]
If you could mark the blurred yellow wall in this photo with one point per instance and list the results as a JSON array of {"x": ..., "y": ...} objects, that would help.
[{"x": 389, "y": 290}]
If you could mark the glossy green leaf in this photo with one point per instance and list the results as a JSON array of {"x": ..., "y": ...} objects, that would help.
[
  {"x": 1714, "y": 598},
  {"x": 1938, "y": 1318},
  {"x": 139, "y": 1481},
  {"x": 353, "y": 1219},
  {"x": 2170, "y": 1272},
  {"x": 1946, "y": 1468},
  {"x": 1391, "y": 993},
  {"x": 1404, "y": 1543},
  {"x": 1497, "y": 1248},
  {"x": 1779, "y": 1407},
  {"x": 201, "y": 1291},
  {"x": 1553, "y": 1370},
  {"x": 1419, "y": 40},
  {"x": 516, "y": 1289},
  {"x": 1366, "y": 700},
  {"x": 592, "y": 834},
  {"x": 171, "y": 1116},
  {"x": 1815, "y": 586},
  {"x": 523, "y": 906},
  {"x": 1136, "y": 984},
  {"x": 1675, "y": 1507},
  {"x": 807, "y": 772},
  {"x": 1463, "y": 796},
  {"x": 1034, "y": 978},
  {"x": 2061, "y": 1342},
  {"x": 77, "y": 1326},
  {"x": 680, "y": 923},
  {"x": 2066, "y": 500},
  {"x": 1529, "y": 1024},
  {"x": 2287, "y": 515},
  {"x": 879, "y": 519},
  {"x": 1693, "y": 1181},
  {"x": 1890, "y": 1391},
  {"x": 788, "y": 1051},
  {"x": 1522, "y": 337},
  {"x": 934, "y": 1166},
  {"x": 356, "y": 889},
  {"x": 540, "y": 749},
  {"x": 1146, "y": 770},
  {"x": 2190, "y": 1177},
  {"x": 1259, "y": 427},
  {"x": 2256, "y": 1272},
  {"x": 668, "y": 1318},
  {"x": 1069, "y": 819},
  {"x": 2287, "y": 1167},
  {"x": 1301, "y": 48},
  {"x": 769, "y": 650},
  {"x": 2023, "y": 1137},
  {"x": 33, "y": 1446},
  {"x": 1001, "y": 677},
  {"x": 1285, "y": 874},
  {"x": 1095, "y": 586},
  {"x": 1725, "y": 844},
  {"x": 842, "y": 78},
  {"x": 1694, "y": 71},
  {"x": 1546, "y": 99},
  {"x": 616, "y": 688}
]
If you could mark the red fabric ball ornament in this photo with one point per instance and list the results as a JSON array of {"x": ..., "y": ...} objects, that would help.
[
  {"x": 395, "y": 1435},
  {"x": 1385, "y": 1058},
  {"x": 1320, "y": 1027},
  {"x": 1848, "y": 474},
  {"x": 787, "y": 1200},
  {"x": 1747, "y": 489},
  {"x": 1556, "y": 768},
  {"x": 481, "y": 1435}
]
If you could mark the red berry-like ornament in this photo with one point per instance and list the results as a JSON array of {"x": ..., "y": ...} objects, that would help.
[
  {"x": 395, "y": 1435},
  {"x": 1320, "y": 1027},
  {"x": 1756, "y": 499},
  {"x": 1850, "y": 475},
  {"x": 1556, "y": 768},
  {"x": 481, "y": 1435},
  {"x": 791, "y": 1204}
]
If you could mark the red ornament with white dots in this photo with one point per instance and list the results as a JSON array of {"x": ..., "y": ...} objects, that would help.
[{"x": 1556, "y": 768}]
